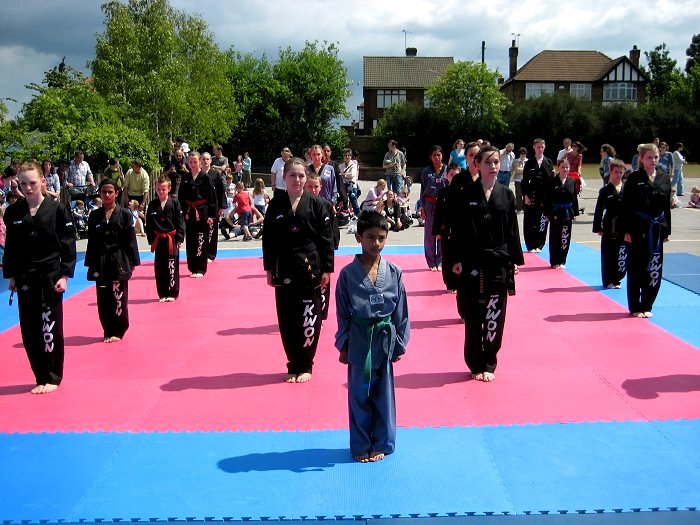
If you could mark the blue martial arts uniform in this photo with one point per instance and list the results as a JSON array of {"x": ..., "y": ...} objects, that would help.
[{"x": 373, "y": 326}]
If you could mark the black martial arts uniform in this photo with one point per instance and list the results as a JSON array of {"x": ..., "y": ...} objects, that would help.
[
  {"x": 441, "y": 227},
  {"x": 165, "y": 229},
  {"x": 646, "y": 216},
  {"x": 613, "y": 250},
  {"x": 111, "y": 254},
  {"x": 297, "y": 250},
  {"x": 487, "y": 242},
  {"x": 534, "y": 186},
  {"x": 326, "y": 292},
  {"x": 39, "y": 250},
  {"x": 220, "y": 192},
  {"x": 561, "y": 206},
  {"x": 198, "y": 202}
]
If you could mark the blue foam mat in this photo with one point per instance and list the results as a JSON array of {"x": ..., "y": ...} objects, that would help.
[
  {"x": 435, "y": 471},
  {"x": 683, "y": 269}
]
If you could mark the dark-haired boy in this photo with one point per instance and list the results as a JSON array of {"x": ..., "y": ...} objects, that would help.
[{"x": 373, "y": 331}]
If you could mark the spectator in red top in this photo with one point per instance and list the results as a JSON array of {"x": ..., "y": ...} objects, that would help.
[{"x": 243, "y": 208}]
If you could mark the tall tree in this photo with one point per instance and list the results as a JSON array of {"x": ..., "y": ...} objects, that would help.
[
  {"x": 662, "y": 70},
  {"x": 293, "y": 101},
  {"x": 165, "y": 67},
  {"x": 469, "y": 95},
  {"x": 693, "y": 53}
]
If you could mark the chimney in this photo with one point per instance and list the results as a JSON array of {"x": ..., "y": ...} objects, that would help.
[
  {"x": 634, "y": 56},
  {"x": 513, "y": 56},
  {"x": 411, "y": 51}
]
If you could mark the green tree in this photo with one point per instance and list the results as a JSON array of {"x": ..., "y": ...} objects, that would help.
[
  {"x": 468, "y": 94},
  {"x": 662, "y": 71},
  {"x": 71, "y": 114},
  {"x": 693, "y": 53},
  {"x": 164, "y": 66},
  {"x": 294, "y": 101}
]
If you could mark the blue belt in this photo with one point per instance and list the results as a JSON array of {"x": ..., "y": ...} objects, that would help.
[
  {"x": 654, "y": 245},
  {"x": 562, "y": 206}
]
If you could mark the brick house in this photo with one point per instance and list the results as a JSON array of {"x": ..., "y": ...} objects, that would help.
[
  {"x": 589, "y": 75},
  {"x": 388, "y": 80}
]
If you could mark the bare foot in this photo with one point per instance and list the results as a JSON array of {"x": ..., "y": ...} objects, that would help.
[
  {"x": 478, "y": 377},
  {"x": 304, "y": 378},
  {"x": 112, "y": 339},
  {"x": 376, "y": 456},
  {"x": 38, "y": 389},
  {"x": 290, "y": 378},
  {"x": 488, "y": 377},
  {"x": 48, "y": 388},
  {"x": 169, "y": 299},
  {"x": 648, "y": 314},
  {"x": 362, "y": 459},
  {"x": 162, "y": 300},
  {"x": 638, "y": 314}
]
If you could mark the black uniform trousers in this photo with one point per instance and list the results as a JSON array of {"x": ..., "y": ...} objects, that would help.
[
  {"x": 167, "y": 269},
  {"x": 196, "y": 232},
  {"x": 213, "y": 239},
  {"x": 534, "y": 226},
  {"x": 559, "y": 238},
  {"x": 613, "y": 260},
  {"x": 299, "y": 318},
  {"x": 112, "y": 307},
  {"x": 484, "y": 298},
  {"x": 41, "y": 324},
  {"x": 644, "y": 271}
]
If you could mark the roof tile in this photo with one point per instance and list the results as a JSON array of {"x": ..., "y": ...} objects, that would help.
[{"x": 403, "y": 72}]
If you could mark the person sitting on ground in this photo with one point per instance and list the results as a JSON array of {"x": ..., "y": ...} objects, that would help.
[
  {"x": 138, "y": 218},
  {"x": 694, "y": 201},
  {"x": 375, "y": 196}
]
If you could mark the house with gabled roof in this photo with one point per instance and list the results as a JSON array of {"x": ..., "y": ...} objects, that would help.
[
  {"x": 388, "y": 80},
  {"x": 589, "y": 75}
]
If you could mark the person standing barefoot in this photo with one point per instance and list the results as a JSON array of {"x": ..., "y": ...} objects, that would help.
[{"x": 39, "y": 258}]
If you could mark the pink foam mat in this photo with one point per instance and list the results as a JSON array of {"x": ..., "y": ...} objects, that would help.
[{"x": 213, "y": 360}]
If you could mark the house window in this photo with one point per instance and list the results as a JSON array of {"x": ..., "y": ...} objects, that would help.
[
  {"x": 426, "y": 101},
  {"x": 388, "y": 97},
  {"x": 537, "y": 89},
  {"x": 620, "y": 92},
  {"x": 582, "y": 91}
]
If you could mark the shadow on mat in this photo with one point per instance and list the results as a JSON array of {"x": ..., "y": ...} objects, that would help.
[
  {"x": 81, "y": 340},
  {"x": 416, "y": 270},
  {"x": 651, "y": 387},
  {"x": 435, "y": 323},
  {"x": 251, "y": 330},
  {"x": 430, "y": 380},
  {"x": 527, "y": 269},
  {"x": 427, "y": 293},
  {"x": 586, "y": 317},
  {"x": 573, "y": 289},
  {"x": 300, "y": 461},
  {"x": 253, "y": 276},
  {"x": 14, "y": 390},
  {"x": 228, "y": 381}
]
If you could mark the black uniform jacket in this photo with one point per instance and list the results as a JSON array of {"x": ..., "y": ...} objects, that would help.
[{"x": 298, "y": 246}]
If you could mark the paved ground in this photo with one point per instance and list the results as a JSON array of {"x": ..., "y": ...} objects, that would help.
[{"x": 685, "y": 223}]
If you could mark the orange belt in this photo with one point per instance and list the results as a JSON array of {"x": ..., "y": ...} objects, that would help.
[
  {"x": 192, "y": 205},
  {"x": 163, "y": 235}
]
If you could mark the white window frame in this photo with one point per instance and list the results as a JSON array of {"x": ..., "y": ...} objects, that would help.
[
  {"x": 619, "y": 92},
  {"x": 580, "y": 90},
  {"x": 388, "y": 97},
  {"x": 537, "y": 89}
]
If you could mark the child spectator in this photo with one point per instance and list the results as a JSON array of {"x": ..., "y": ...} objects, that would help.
[
  {"x": 373, "y": 331},
  {"x": 260, "y": 198},
  {"x": 694, "y": 201},
  {"x": 243, "y": 209},
  {"x": 138, "y": 218}
]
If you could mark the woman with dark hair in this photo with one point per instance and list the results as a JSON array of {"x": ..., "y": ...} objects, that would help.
[
  {"x": 575, "y": 158},
  {"x": 607, "y": 155},
  {"x": 298, "y": 259},
  {"x": 679, "y": 160},
  {"x": 561, "y": 206},
  {"x": 646, "y": 223},
  {"x": 52, "y": 183},
  {"x": 488, "y": 252},
  {"x": 111, "y": 254},
  {"x": 433, "y": 179}
]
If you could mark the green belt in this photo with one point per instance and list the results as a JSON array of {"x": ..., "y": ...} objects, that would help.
[{"x": 375, "y": 326}]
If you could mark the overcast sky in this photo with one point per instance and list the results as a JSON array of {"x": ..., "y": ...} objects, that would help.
[{"x": 36, "y": 34}]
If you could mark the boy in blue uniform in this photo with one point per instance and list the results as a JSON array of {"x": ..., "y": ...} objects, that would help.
[{"x": 373, "y": 331}]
